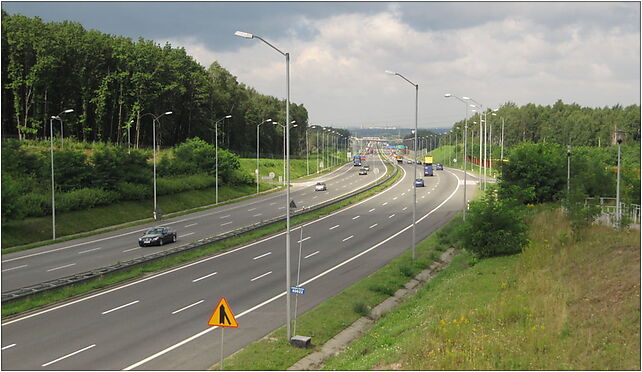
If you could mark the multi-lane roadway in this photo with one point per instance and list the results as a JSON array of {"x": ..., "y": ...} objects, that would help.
[
  {"x": 34, "y": 266},
  {"x": 160, "y": 321}
]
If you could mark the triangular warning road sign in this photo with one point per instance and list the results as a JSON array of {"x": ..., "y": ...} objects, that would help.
[{"x": 223, "y": 316}]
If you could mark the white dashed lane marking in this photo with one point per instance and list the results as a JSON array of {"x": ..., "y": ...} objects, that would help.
[
  {"x": 204, "y": 277},
  {"x": 311, "y": 254},
  {"x": 348, "y": 238},
  {"x": 263, "y": 255},
  {"x": 90, "y": 250},
  {"x": 260, "y": 276},
  {"x": 61, "y": 267},
  {"x": 187, "y": 307},
  {"x": 120, "y": 307}
]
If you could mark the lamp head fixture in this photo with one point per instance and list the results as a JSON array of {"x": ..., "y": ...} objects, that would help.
[{"x": 245, "y": 35}]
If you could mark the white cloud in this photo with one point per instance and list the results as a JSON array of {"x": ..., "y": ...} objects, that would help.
[{"x": 338, "y": 73}]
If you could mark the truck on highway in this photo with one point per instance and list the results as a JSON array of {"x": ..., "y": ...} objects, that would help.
[
  {"x": 428, "y": 166},
  {"x": 356, "y": 161},
  {"x": 399, "y": 159}
]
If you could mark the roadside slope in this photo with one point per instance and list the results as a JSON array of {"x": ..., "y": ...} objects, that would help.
[{"x": 559, "y": 305}]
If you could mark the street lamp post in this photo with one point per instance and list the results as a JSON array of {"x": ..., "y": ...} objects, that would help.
[
  {"x": 216, "y": 152},
  {"x": 568, "y": 171},
  {"x": 154, "y": 121},
  {"x": 482, "y": 134},
  {"x": 257, "y": 152},
  {"x": 502, "y": 151},
  {"x": 414, "y": 165},
  {"x": 619, "y": 134},
  {"x": 284, "y": 130},
  {"x": 287, "y": 197},
  {"x": 463, "y": 100},
  {"x": 53, "y": 198}
]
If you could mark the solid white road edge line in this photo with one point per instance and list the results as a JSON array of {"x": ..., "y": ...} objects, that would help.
[
  {"x": 199, "y": 261},
  {"x": 210, "y": 329}
]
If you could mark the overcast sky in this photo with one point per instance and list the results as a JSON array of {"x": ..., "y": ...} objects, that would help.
[{"x": 493, "y": 52}]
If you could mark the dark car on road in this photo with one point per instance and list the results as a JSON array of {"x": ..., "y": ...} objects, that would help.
[
  {"x": 157, "y": 236},
  {"x": 439, "y": 167},
  {"x": 363, "y": 171}
]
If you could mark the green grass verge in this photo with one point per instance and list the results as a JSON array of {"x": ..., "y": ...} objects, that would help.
[
  {"x": 37, "y": 231},
  {"x": 560, "y": 305},
  {"x": 111, "y": 279},
  {"x": 334, "y": 315}
]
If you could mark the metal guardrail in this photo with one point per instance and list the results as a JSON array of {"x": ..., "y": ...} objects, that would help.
[
  {"x": 609, "y": 210},
  {"x": 24, "y": 292}
]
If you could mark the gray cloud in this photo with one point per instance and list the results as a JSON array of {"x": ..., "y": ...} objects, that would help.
[{"x": 584, "y": 52}]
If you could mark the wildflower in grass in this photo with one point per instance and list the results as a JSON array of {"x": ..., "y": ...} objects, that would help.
[{"x": 503, "y": 285}]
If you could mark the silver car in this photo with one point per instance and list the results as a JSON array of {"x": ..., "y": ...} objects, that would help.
[{"x": 320, "y": 186}]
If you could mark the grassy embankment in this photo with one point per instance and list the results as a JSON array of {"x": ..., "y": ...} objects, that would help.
[
  {"x": 111, "y": 279},
  {"x": 38, "y": 229},
  {"x": 561, "y": 304}
]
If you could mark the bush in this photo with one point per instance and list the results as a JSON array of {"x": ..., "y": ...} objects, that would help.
[
  {"x": 134, "y": 191},
  {"x": 494, "y": 227},
  {"x": 84, "y": 199},
  {"x": 70, "y": 170},
  {"x": 361, "y": 308},
  {"x": 34, "y": 204},
  {"x": 11, "y": 191},
  {"x": 538, "y": 168},
  {"x": 172, "y": 185}
]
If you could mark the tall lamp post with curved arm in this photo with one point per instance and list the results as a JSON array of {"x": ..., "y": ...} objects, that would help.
[
  {"x": 247, "y": 35},
  {"x": 414, "y": 165},
  {"x": 463, "y": 100},
  {"x": 257, "y": 152},
  {"x": 53, "y": 198},
  {"x": 154, "y": 121}
]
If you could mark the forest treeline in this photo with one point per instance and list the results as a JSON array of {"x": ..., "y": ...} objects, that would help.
[
  {"x": 111, "y": 82},
  {"x": 561, "y": 123}
]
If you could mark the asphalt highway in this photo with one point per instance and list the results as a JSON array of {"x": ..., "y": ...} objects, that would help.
[
  {"x": 159, "y": 322},
  {"x": 37, "y": 265}
]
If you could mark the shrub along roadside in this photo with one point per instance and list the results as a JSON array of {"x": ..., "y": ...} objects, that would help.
[{"x": 110, "y": 279}]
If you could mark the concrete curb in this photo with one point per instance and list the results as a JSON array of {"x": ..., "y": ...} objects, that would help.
[{"x": 339, "y": 342}]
